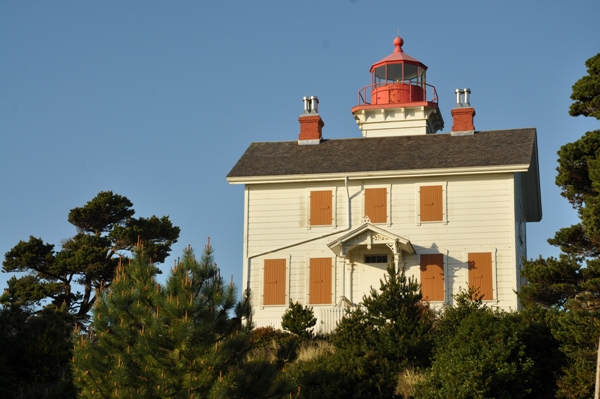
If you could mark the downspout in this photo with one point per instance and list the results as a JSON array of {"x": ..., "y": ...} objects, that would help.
[{"x": 349, "y": 225}]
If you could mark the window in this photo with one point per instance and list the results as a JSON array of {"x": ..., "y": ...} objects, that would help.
[
  {"x": 432, "y": 277},
  {"x": 431, "y": 204},
  {"x": 320, "y": 208},
  {"x": 274, "y": 289},
  {"x": 376, "y": 204},
  {"x": 480, "y": 274},
  {"x": 320, "y": 281},
  {"x": 375, "y": 258}
]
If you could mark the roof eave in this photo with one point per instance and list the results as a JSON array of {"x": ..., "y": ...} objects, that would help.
[
  {"x": 377, "y": 174},
  {"x": 533, "y": 195}
]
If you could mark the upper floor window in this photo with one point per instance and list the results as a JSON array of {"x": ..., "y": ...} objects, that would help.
[
  {"x": 431, "y": 203},
  {"x": 321, "y": 208},
  {"x": 376, "y": 204}
]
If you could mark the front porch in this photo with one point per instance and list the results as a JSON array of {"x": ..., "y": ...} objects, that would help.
[{"x": 363, "y": 257}]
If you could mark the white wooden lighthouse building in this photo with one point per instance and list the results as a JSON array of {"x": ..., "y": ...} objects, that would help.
[{"x": 324, "y": 219}]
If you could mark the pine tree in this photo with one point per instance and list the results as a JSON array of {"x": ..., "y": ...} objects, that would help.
[
  {"x": 176, "y": 341},
  {"x": 389, "y": 333},
  {"x": 110, "y": 359}
]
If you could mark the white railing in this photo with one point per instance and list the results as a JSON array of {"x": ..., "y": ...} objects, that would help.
[
  {"x": 327, "y": 320},
  {"x": 275, "y": 323}
]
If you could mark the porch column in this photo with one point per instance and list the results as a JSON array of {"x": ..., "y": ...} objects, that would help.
[
  {"x": 397, "y": 260},
  {"x": 350, "y": 266}
]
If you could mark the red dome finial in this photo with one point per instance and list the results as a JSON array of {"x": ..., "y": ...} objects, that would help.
[{"x": 398, "y": 42}]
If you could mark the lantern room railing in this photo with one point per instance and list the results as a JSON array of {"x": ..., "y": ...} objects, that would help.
[{"x": 396, "y": 93}]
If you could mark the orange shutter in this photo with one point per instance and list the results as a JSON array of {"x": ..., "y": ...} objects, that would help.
[
  {"x": 432, "y": 277},
  {"x": 320, "y": 208},
  {"x": 274, "y": 292},
  {"x": 376, "y": 204},
  {"x": 480, "y": 274},
  {"x": 431, "y": 203},
  {"x": 320, "y": 281}
]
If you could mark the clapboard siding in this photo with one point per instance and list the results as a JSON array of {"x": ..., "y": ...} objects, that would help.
[{"x": 481, "y": 216}]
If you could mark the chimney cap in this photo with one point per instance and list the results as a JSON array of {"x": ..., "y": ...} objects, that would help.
[
  {"x": 462, "y": 98},
  {"x": 463, "y": 114},
  {"x": 311, "y": 124},
  {"x": 311, "y": 105}
]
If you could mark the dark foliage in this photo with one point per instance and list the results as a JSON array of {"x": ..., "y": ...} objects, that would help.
[
  {"x": 482, "y": 353},
  {"x": 35, "y": 354}
]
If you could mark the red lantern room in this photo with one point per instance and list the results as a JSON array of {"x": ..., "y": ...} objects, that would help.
[
  {"x": 398, "y": 78},
  {"x": 398, "y": 82}
]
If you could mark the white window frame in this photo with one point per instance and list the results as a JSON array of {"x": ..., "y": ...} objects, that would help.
[
  {"x": 388, "y": 199},
  {"x": 418, "y": 186},
  {"x": 334, "y": 221}
]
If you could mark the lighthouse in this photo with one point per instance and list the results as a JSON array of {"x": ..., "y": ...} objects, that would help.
[
  {"x": 399, "y": 101},
  {"x": 324, "y": 219}
]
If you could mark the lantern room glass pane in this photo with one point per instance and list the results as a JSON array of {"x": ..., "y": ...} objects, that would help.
[
  {"x": 380, "y": 73},
  {"x": 394, "y": 73},
  {"x": 411, "y": 72}
]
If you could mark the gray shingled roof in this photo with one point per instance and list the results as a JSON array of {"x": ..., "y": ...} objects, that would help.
[{"x": 433, "y": 151}]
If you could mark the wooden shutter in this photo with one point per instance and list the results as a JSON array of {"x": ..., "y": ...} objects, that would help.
[
  {"x": 274, "y": 290},
  {"x": 480, "y": 274},
  {"x": 431, "y": 203},
  {"x": 320, "y": 281},
  {"x": 320, "y": 208},
  {"x": 432, "y": 277},
  {"x": 376, "y": 204}
]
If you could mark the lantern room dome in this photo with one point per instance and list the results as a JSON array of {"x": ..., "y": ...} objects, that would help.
[
  {"x": 399, "y": 88},
  {"x": 397, "y": 66}
]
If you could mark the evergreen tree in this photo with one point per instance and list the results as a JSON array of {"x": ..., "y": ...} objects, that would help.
[
  {"x": 586, "y": 90},
  {"x": 176, "y": 341},
  {"x": 390, "y": 332},
  {"x": 299, "y": 320},
  {"x": 571, "y": 282},
  {"x": 105, "y": 229}
]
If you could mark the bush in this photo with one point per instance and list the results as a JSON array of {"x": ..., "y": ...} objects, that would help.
[{"x": 299, "y": 320}]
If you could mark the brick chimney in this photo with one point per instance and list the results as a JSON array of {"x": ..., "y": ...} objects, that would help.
[
  {"x": 462, "y": 114},
  {"x": 311, "y": 124}
]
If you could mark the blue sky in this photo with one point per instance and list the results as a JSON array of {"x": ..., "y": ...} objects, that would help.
[{"x": 156, "y": 101}]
